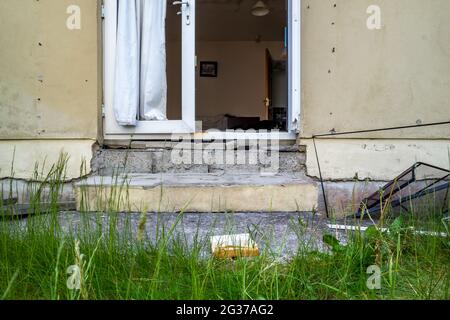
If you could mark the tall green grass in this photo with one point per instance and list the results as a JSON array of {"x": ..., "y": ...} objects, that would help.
[{"x": 116, "y": 262}]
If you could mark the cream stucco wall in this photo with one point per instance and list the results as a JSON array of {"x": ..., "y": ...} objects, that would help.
[
  {"x": 20, "y": 159},
  {"x": 398, "y": 75},
  {"x": 354, "y": 78},
  {"x": 375, "y": 159},
  {"x": 50, "y": 80}
]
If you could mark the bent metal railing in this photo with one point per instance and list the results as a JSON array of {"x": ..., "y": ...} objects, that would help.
[{"x": 414, "y": 183}]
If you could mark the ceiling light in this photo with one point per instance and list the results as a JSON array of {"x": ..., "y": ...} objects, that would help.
[{"x": 260, "y": 9}]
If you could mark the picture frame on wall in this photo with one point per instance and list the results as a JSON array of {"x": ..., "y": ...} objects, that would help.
[{"x": 208, "y": 69}]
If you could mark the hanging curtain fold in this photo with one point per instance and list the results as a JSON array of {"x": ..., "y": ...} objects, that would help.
[
  {"x": 140, "y": 83},
  {"x": 153, "y": 104}
]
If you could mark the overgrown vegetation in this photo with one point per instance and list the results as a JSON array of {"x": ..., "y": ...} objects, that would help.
[{"x": 116, "y": 263}]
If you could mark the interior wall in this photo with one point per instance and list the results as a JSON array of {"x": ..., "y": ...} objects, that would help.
[{"x": 238, "y": 90}]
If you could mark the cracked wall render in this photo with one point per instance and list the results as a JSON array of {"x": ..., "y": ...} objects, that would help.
[
  {"x": 378, "y": 159},
  {"x": 45, "y": 153},
  {"x": 352, "y": 78},
  {"x": 399, "y": 75},
  {"x": 50, "y": 83}
]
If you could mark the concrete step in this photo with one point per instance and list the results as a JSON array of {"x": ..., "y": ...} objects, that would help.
[
  {"x": 194, "y": 192},
  {"x": 108, "y": 161}
]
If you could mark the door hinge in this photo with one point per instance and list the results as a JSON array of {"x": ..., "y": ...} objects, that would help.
[
  {"x": 103, "y": 110},
  {"x": 103, "y": 11}
]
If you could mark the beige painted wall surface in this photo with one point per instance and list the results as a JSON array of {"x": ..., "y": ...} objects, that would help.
[
  {"x": 25, "y": 154},
  {"x": 379, "y": 159},
  {"x": 398, "y": 75},
  {"x": 394, "y": 76},
  {"x": 49, "y": 75}
]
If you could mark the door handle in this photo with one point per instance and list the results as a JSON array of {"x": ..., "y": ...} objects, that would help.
[
  {"x": 183, "y": 3},
  {"x": 180, "y": 3}
]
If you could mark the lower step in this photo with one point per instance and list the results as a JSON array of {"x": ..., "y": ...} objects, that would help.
[{"x": 197, "y": 193}]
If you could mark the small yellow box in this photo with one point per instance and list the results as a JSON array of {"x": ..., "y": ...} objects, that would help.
[{"x": 234, "y": 246}]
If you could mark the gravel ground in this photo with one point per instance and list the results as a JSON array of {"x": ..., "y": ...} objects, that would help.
[{"x": 282, "y": 232}]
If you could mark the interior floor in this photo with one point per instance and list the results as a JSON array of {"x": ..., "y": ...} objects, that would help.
[{"x": 241, "y": 65}]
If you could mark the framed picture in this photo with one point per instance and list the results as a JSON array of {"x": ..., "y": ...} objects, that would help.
[{"x": 208, "y": 69}]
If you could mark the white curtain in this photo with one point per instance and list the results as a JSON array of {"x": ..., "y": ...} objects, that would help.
[{"x": 140, "y": 84}]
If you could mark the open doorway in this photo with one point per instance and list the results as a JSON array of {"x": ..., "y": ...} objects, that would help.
[
  {"x": 230, "y": 64},
  {"x": 241, "y": 64},
  {"x": 241, "y": 73}
]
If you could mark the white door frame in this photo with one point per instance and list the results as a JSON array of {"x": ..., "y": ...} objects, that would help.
[
  {"x": 187, "y": 124},
  {"x": 157, "y": 130},
  {"x": 294, "y": 64}
]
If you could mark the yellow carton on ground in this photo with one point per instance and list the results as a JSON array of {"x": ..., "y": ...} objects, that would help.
[{"x": 234, "y": 246}]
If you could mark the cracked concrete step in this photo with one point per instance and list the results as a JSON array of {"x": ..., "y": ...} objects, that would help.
[
  {"x": 197, "y": 193},
  {"x": 107, "y": 161}
]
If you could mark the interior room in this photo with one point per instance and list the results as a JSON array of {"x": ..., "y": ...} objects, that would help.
[{"x": 241, "y": 64}]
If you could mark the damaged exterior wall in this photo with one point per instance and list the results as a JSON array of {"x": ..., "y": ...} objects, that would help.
[
  {"x": 399, "y": 75},
  {"x": 50, "y": 84},
  {"x": 354, "y": 79},
  {"x": 26, "y": 155},
  {"x": 375, "y": 159}
]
